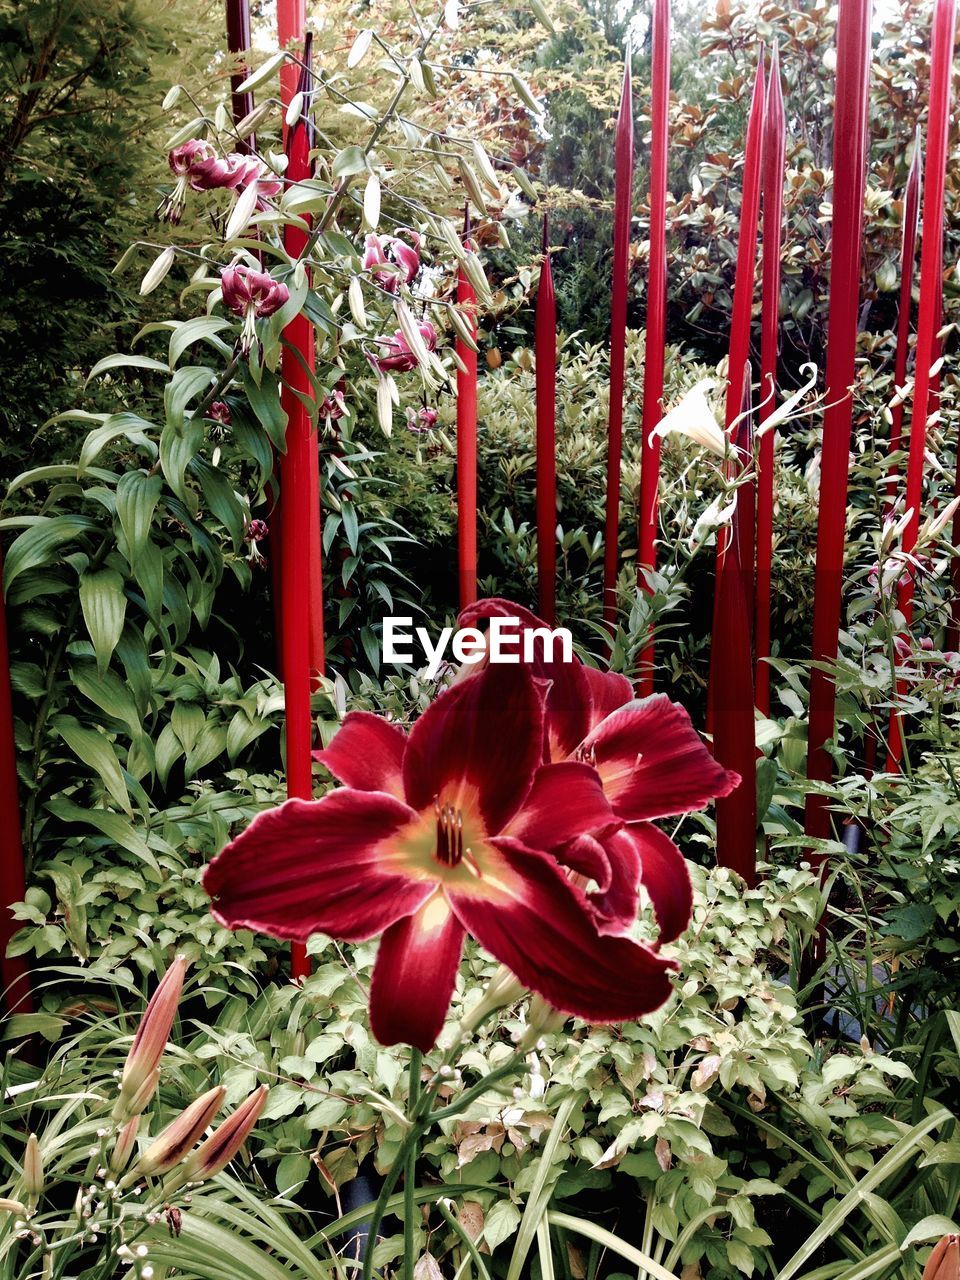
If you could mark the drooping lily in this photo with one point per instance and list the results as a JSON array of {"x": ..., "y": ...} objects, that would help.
[
  {"x": 252, "y": 295},
  {"x": 396, "y": 354},
  {"x": 650, "y": 762},
  {"x": 392, "y": 261},
  {"x": 438, "y": 833}
]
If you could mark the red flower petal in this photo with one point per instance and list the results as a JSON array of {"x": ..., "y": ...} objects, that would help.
[
  {"x": 478, "y": 745},
  {"x": 587, "y": 857},
  {"x": 497, "y": 607},
  {"x": 642, "y": 853},
  {"x": 565, "y": 801},
  {"x": 531, "y": 918},
  {"x": 414, "y": 975},
  {"x": 653, "y": 763},
  {"x": 367, "y": 754},
  {"x": 608, "y": 691},
  {"x": 318, "y": 866}
]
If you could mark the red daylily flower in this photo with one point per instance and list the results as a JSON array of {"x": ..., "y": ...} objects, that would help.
[
  {"x": 438, "y": 833},
  {"x": 651, "y": 763}
]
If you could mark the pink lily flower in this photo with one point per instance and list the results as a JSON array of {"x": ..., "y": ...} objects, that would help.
[
  {"x": 392, "y": 252},
  {"x": 252, "y": 295},
  {"x": 435, "y": 834},
  {"x": 651, "y": 763},
  {"x": 399, "y": 358}
]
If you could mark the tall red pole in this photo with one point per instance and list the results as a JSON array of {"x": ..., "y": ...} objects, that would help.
[
  {"x": 731, "y": 683},
  {"x": 931, "y": 284},
  {"x": 545, "y": 341},
  {"x": 238, "y": 41},
  {"x": 467, "y": 440},
  {"x": 774, "y": 151},
  {"x": 656, "y": 335},
  {"x": 908, "y": 256},
  {"x": 13, "y": 970},
  {"x": 622, "y": 211},
  {"x": 745, "y": 279},
  {"x": 301, "y": 581},
  {"x": 849, "y": 178}
]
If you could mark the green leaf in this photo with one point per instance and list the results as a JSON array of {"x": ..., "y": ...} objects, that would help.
[
  {"x": 178, "y": 448},
  {"x": 96, "y": 751},
  {"x": 137, "y": 497},
  {"x": 104, "y": 607},
  {"x": 199, "y": 329},
  {"x": 219, "y": 496},
  {"x": 350, "y": 160},
  {"x": 36, "y": 545},
  {"x": 122, "y": 361},
  {"x": 265, "y": 402},
  {"x": 185, "y": 385},
  {"x": 930, "y": 1228},
  {"x": 129, "y": 425},
  {"x": 501, "y": 1223}
]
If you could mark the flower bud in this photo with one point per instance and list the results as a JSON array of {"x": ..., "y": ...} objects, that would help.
[
  {"x": 32, "y": 1171},
  {"x": 178, "y": 1138},
  {"x": 503, "y": 989},
  {"x": 944, "y": 1260},
  {"x": 150, "y": 1041},
  {"x": 13, "y": 1206},
  {"x": 124, "y": 1145},
  {"x": 542, "y": 1020},
  {"x": 216, "y": 1152}
]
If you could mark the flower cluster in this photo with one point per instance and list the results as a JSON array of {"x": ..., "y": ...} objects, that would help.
[
  {"x": 174, "y": 1150},
  {"x": 518, "y": 809},
  {"x": 197, "y": 167}
]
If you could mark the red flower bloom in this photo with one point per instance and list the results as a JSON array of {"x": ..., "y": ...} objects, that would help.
[
  {"x": 398, "y": 357},
  {"x": 188, "y": 155},
  {"x": 391, "y": 251},
  {"x": 435, "y": 834},
  {"x": 651, "y": 763},
  {"x": 251, "y": 294}
]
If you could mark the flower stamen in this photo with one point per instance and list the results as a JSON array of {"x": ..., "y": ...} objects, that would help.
[{"x": 449, "y": 834}]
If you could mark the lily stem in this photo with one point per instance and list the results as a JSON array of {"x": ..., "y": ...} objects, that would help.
[{"x": 410, "y": 1169}]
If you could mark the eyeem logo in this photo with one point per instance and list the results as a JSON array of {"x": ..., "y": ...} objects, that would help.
[{"x": 505, "y": 641}]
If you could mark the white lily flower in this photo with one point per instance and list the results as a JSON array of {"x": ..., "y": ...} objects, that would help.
[{"x": 693, "y": 417}]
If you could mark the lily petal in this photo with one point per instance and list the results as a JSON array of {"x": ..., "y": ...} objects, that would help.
[
  {"x": 478, "y": 745},
  {"x": 588, "y": 857},
  {"x": 312, "y": 866},
  {"x": 608, "y": 691},
  {"x": 642, "y": 853},
  {"x": 565, "y": 801},
  {"x": 414, "y": 975},
  {"x": 367, "y": 754},
  {"x": 653, "y": 762},
  {"x": 568, "y": 699},
  {"x": 527, "y": 914}
]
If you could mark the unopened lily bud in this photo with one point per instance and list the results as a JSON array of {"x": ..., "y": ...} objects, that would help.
[
  {"x": 141, "y": 1099},
  {"x": 944, "y": 1261},
  {"x": 151, "y": 1040},
  {"x": 216, "y": 1152},
  {"x": 542, "y": 1020},
  {"x": 16, "y": 1207},
  {"x": 503, "y": 989},
  {"x": 124, "y": 1145},
  {"x": 178, "y": 1139},
  {"x": 32, "y": 1171}
]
